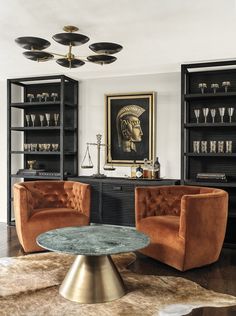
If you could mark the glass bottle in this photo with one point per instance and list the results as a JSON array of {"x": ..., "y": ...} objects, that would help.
[
  {"x": 133, "y": 169},
  {"x": 156, "y": 169},
  {"x": 139, "y": 172},
  {"x": 145, "y": 168}
]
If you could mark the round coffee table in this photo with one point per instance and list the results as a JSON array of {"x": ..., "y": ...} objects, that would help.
[{"x": 93, "y": 277}]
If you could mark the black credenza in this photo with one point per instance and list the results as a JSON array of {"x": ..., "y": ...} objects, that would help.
[{"x": 112, "y": 199}]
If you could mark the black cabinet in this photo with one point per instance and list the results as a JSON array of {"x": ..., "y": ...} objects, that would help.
[
  {"x": 194, "y": 158},
  {"x": 42, "y": 127},
  {"x": 113, "y": 198}
]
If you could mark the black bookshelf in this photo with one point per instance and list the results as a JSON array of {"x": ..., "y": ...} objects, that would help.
[
  {"x": 58, "y": 164},
  {"x": 192, "y": 98}
]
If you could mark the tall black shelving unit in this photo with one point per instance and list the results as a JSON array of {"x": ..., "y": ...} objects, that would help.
[
  {"x": 55, "y": 164},
  {"x": 192, "y": 98}
]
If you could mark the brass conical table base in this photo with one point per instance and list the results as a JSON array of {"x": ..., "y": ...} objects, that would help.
[{"x": 92, "y": 279}]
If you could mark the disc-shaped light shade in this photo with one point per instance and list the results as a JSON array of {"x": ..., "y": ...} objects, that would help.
[
  {"x": 101, "y": 59},
  {"x": 105, "y": 48},
  {"x": 38, "y": 55},
  {"x": 72, "y": 39},
  {"x": 75, "y": 63},
  {"x": 29, "y": 43}
]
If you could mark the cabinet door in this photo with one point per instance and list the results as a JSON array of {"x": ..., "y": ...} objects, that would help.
[
  {"x": 95, "y": 203},
  {"x": 118, "y": 204}
]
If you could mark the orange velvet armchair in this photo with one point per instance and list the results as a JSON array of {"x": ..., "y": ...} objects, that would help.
[
  {"x": 40, "y": 206},
  {"x": 186, "y": 224}
]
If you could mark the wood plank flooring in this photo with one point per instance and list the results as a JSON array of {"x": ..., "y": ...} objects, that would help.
[{"x": 220, "y": 276}]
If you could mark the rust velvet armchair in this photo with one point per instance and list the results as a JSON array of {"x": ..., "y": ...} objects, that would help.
[
  {"x": 186, "y": 224},
  {"x": 40, "y": 206}
]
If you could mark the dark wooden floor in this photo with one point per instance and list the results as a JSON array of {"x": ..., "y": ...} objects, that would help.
[{"x": 220, "y": 276}]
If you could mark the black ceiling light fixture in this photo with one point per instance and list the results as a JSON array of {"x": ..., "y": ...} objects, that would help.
[{"x": 35, "y": 49}]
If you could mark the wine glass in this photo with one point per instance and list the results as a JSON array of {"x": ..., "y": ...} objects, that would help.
[
  {"x": 205, "y": 113},
  {"x": 226, "y": 85},
  {"x": 30, "y": 97},
  {"x": 213, "y": 114},
  {"x": 41, "y": 118},
  {"x": 56, "y": 118},
  {"x": 27, "y": 117},
  {"x": 33, "y": 118},
  {"x": 54, "y": 96},
  {"x": 214, "y": 86},
  {"x": 222, "y": 113},
  {"x": 197, "y": 114},
  {"x": 47, "y": 118},
  {"x": 230, "y": 113},
  {"x": 202, "y": 86},
  {"x": 39, "y": 97},
  {"x": 45, "y": 96}
]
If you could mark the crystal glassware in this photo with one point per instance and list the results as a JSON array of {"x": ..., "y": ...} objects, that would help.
[
  {"x": 56, "y": 118},
  {"x": 213, "y": 114},
  {"x": 41, "y": 147},
  {"x": 230, "y": 113},
  {"x": 213, "y": 146},
  {"x": 214, "y": 86},
  {"x": 196, "y": 146},
  {"x": 220, "y": 146},
  {"x": 45, "y": 96},
  {"x": 48, "y": 118},
  {"x": 204, "y": 146},
  {"x": 27, "y": 118},
  {"x": 33, "y": 116},
  {"x": 202, "y": 86},
  {"x": 222, "y": 113},
  {"x": 39, "y": 97},
  {"x": 41, "y": 118},
  {"x": 55, "y": 147},
  {"x": 228, "y": 146},
  {"x": 54, "y": 96},
  {"x": 197, "y": 114},
  {"x": 205, "y": 113},
  {"x": 226, "y": 85},
  {"x": 30, "y": 97},
  {"x": 31, "y": 164}
]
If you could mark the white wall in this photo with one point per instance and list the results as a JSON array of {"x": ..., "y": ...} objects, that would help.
[
  {"x": 92, "y": 122},
  {"x": 92, "y": 116}
]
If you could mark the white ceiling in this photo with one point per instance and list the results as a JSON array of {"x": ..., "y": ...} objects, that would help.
[{"x": 157, "y": 35}]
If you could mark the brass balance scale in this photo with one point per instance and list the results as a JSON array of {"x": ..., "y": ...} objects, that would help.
[{"x": 87, "y": 161}]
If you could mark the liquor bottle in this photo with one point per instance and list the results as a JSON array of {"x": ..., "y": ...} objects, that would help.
[
  {"x": 156, "y": 169},
  {"x": 145, "y": 168},
  {"x": 139, "y": 172},
  {"x": 133, "y": 169}
]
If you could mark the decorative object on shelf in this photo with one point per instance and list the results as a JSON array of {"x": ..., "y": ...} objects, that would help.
[
  {"x": 228, "y": 146},
  {"x": 31, "y": 164},
  {"x": 45, "y": 96},
  {"x": 213, "y": 146},
  {"x": 226, "y": 85},
  {"x": 54, "y": 96},
  {"x": 39, "y": 97},
  {"x": 196, "y": 146},
  {"x": 27, "y": 118},
  {"x": 220, "y": 146},
  {"x": 48, "y": 116},
  {"x": 214, "y": 86},
  {"x": 87, "y": 161},
  {"x": 213, "y": 114},
  {"x": 205, "y": 114},
  {"x": 139, "y": 172},
  {"x": 130, "y": 122},
  {"x": 202, "y": 86},
  {"x": 222, "y": 113},
  {"x": 36, "y": 45},
  {"x": 211, "y": 177},
  {"x": 197, "y": 114},
  {"x": 33, "y": 116},
  {"x": 203, "y": 146},
  {"x": 55, "y": 147},
  {"x": 230, "y": 113},
  {"x": 30, "y": 97},
  {"x": 56, "y": 118},
  {"x": 41, "y": 118}
]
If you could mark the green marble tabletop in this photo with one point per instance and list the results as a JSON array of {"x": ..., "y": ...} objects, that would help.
[{"x": 94, "y": 240}]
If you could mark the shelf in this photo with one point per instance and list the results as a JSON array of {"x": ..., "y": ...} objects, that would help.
[
  {"x": 42, "y": 128},
  {"x": 212, "y": 125},
  {"x": 211, "y": 184},
  {"x": 211, "y": 155},
  {"x": 200, "y": 96},
  {"x": 43, "y": 152},
  {"x": 23, "y": 105},
  {"x": 35, "y": 177}
]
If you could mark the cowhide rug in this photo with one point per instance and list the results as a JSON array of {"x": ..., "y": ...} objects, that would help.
[{"x": 29, "y": 286}]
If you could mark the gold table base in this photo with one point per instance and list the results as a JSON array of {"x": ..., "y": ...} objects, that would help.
[{"x": 92, "y": 279}]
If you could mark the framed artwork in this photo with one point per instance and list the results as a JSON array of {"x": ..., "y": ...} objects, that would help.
[{"x": 130, "y": 128}]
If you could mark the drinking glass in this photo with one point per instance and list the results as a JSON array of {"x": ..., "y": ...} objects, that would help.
[
  {"x": 41, "y": 118},
  {"x": 54, "y": 96},
  {"x": 39, "y": 97},
  {"x": 196, "y": 146},
  {"x": 220, "y": 146},
  {"x": 27, "y": 117},
  {"x": 230, "y": 113},
  {"x": 30, "y": 97},
  {"x": 33, "y": 147},
  {"x": 205, "y": 113},
  {"x": 202, "y": 86},
  {"x": 55, "y": 147},
  {"x": 41, "y": 147},
  {"x": 56, "y": 118},
  {"x": 197, "y": 114},
  {"x": 213, "y": 114},
  {"x": 33, "y": 118},
  {"x": 45, "y": 96},
  {"x": 204, "y": 146},
  {"x": 213, "y": 146},
  {"x": 226, "y": 85},
  {"x": 228, "y": 146},
  {"x": 222, "y": 113},
  {"x": 214, "y": 86},
  {"x": 47, "y": 118}
]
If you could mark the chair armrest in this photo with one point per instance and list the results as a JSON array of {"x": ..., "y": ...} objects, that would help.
[
  {"x": 82, "y": 197},
  {"x": 203, "y": 216},
  {"x": 22, "y": 206}
]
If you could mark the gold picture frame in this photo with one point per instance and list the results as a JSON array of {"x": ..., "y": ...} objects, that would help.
[{"x": 130, "y": 128}]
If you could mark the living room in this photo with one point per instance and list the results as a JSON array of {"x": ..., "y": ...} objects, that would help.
[{"x": 153, "y": 40}]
